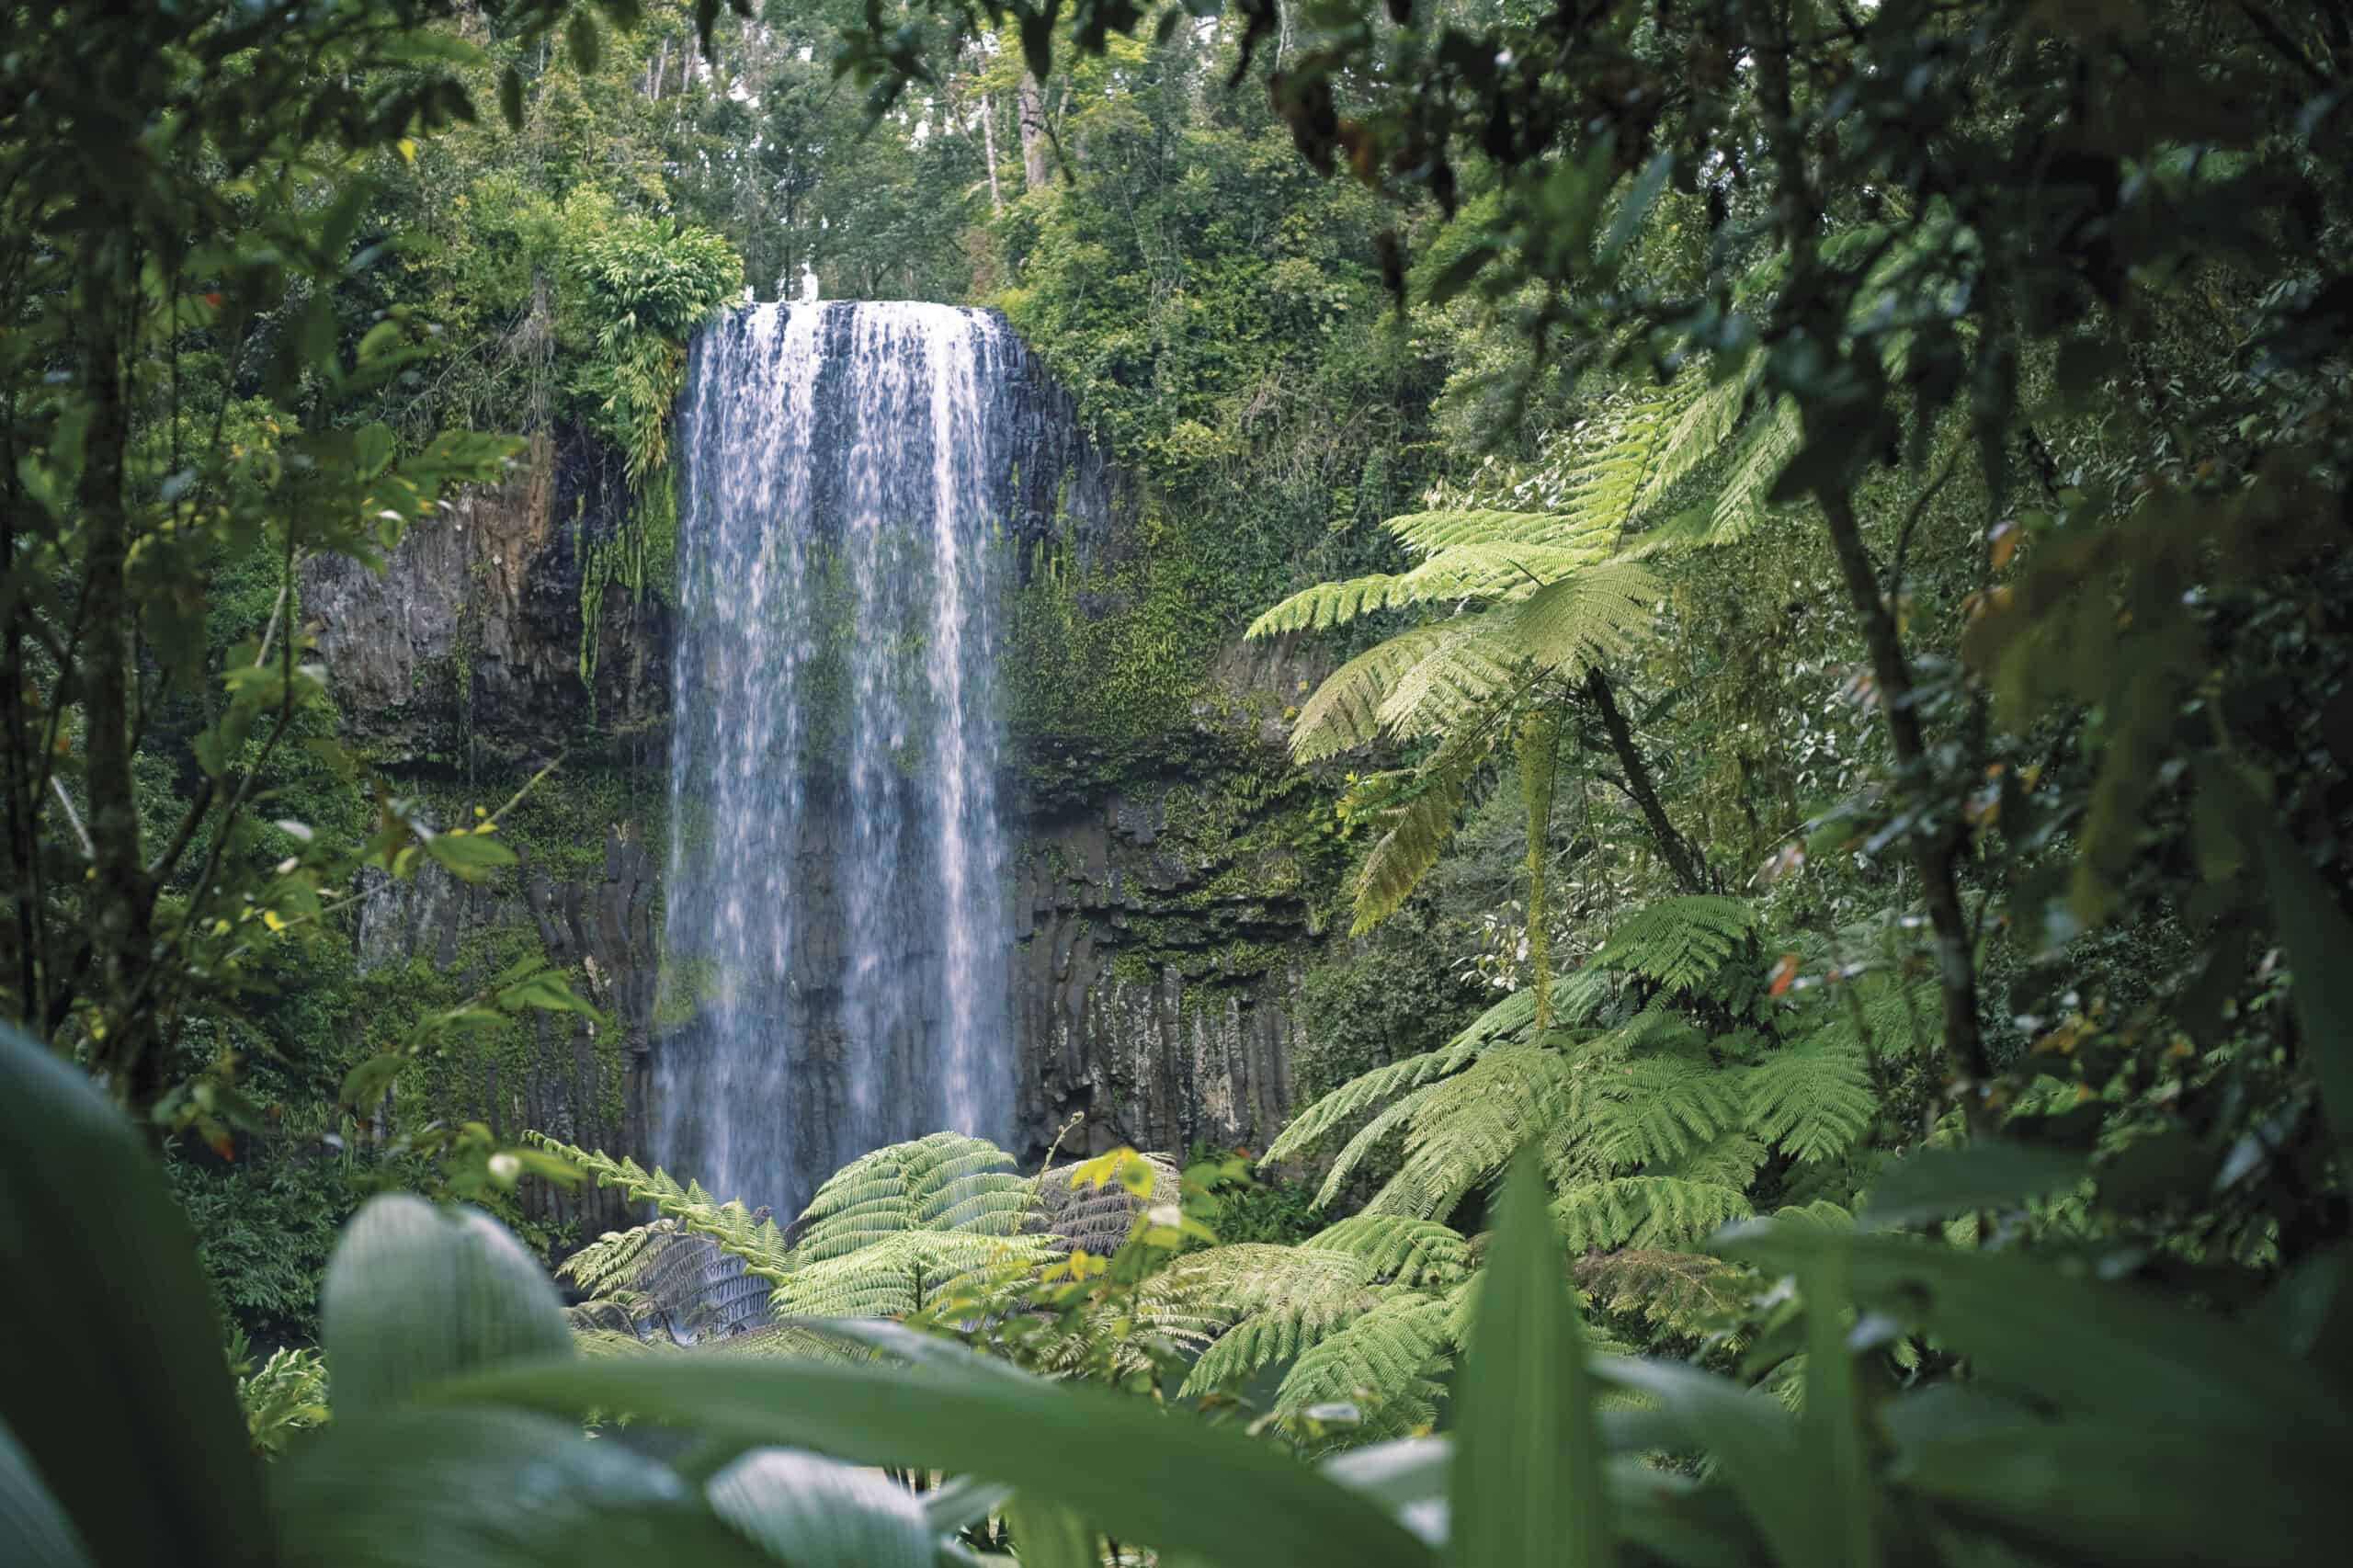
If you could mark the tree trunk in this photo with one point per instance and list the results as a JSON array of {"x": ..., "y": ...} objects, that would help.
[
  {"x": 1033, "y": 133},
  {"x": 988, "y": 150},
  {"x": 1937, "y": 853},
  {"x": 121, "y": 908},
  {"x": 1673, "y": 848}
]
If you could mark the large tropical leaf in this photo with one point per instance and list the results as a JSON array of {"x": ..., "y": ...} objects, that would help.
[
  {"x": 812, "y": 1512},
  {"x": 110, "y": 1369},
  {"x": 415, "y": 1293},
  {"x": 484, "y": 1488},
  {"x": 1163, "y": 1478},
  {"x": 1528, "y": 1487}
]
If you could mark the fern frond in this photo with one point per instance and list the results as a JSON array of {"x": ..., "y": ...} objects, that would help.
[
  {"x": 1382, "y": 1363},
  {"x": 1569, "y": 625},
  {"x": 1741, "y": 506},
  {"x": 1399, "y": 1250},
  {"x": 902, "y": 1273},
  {"x": 1467, "y": 675},
  {"x": 747, "y": 1234},
  {"x": 1686, "y": 1292},
  {"x": 1418, "y": 833},
  {"x": 1679, "y": 942},
  {"x": 1468, "y": 1127},
  {"x": 1084, "y": 1217},
  {"x": 1280, "y": 1301},
  {"x": 946, "y": 1182},
  {"x": 1345, "y": 711},
  {"x": 1645, "y": 1211},
  {"x": 1812, "y": 1099},
  {"x": 1672, "y": 1107},
  {"x": 1468, "y": 572},
  {"x": 1433, "y": 533}
]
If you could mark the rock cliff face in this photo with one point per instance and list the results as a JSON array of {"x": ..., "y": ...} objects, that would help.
[{"x": 1161, "y": 920}]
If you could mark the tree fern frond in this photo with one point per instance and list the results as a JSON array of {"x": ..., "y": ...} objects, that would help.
[
  {"x": 946, "y": 1182},
  {"x": 1569, "y": 625},
  {"x": 1382, "y": 1363},
  {"x": 747, "y": 1233},
  {"x": 902, "y": 1273},
  {"x": 1418, "y": 833},
  {"x": 1679, "y": 942},
  {"x": 1399, "y": 1250},
  {"x": 1280, "y": 1301},
  {"x": 1645, "y": 1211},
  {"x": 1468, "y": 1127},
  {"x": 1741, "y": 506},
  {"x": 1433, "y": 533},
  {"x": 1467, "y": 675},
  {"x": 1672, "y": 1107},
  {"x": 1686, "y": 1292},
  {"x": 1821, "y": 1214},
  {"x": 1086, "y": 1217},
  {"x": 1812, "y": 1099},
  {"x": 1345, "y": 711},
  {"x": 1484, "y": 571}
]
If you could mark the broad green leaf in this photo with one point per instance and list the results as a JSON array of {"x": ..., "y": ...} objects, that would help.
[
  {"x": 2083, "y": 1347},
  {"x": 966, "y": 1500},
  {"x": 414, "y": 1294},
  {"x": 471, "y": 856},
  {"x": 812, "y": 1511},
  {"x": 1833, "y": 1430},
  {"x": 110, "y": 1371},
  {"x": 1045, "y": 1535},
  {"x": 1933, "y": 1184},
  {"x": 36, "y": 1528},
  {"x": 1528, "y": 1484},
  {"x": 2139, "y": 1494},
  {"x": 2319, "y": 939},
  {"x": 1754, "y": 1440},
  {"x": 447, "y": 1488},
  {"x": 1138, "y": 1472}
]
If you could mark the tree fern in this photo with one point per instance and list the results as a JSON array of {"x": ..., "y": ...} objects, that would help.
[
  {"x": 1400, "y": 1250},
  {"x": 1645, "y": 1211},
  {"x": 1679, "y": 942},
  {"x": 946, "y": 1182},
  {"x": 1482, "y": 571},
  {"x": 1814, "y": 1098},
  {"x": 1345, "y": 711},
  {"x": 1418, "y": 832},
  {"x": 1381, "y": 1364},
  {"x": 750, "y": 1235},
  {"x": 1469, "y": 1125}
]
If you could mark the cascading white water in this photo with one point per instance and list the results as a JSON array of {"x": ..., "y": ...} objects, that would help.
[{"x": 836, "y": 896}]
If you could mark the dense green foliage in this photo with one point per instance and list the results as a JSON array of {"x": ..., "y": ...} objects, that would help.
[{"x": 1799, "y": 550}]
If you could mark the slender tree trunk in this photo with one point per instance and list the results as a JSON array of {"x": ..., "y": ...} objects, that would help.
[
  {"x": 1673, "y": 848},
  {"x": 121, "y": 906},
  {"x": 988, "y": 150},
  {"x": 1033, "y": 133},
  {"x": 1936, "y": 853}
]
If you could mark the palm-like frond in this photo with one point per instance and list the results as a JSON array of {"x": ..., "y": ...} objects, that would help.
[
  {"x": 1345, "y": 711},
  {"x": 1467, "y": 1129},
  {"x": 1417, "y": 833},
  {"x": 1645, "y": 1211},
  {"x": 1400, "y": 1250},
  {"x": 901, "y": 1273},
  {"x": 1484, "y": 571},
  {"x": 1084, "y": 1216},
  {"x": 748, "y": 1234},
  {"x": 1688, "y": 1292},
  {"x": 1382, "y": 1364},
  {"x": 1679, "y": 942},
  {"x": 1812, "y": 1099},
  {"x": 1281, "y": 1301},
  {"x": 946, "y": 1183}
]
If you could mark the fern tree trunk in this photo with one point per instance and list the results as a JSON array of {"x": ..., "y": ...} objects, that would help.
[
  {"x": 1673, "y": 848},
  {"x": 1539, "y": 753},
  {"x": 1937, "y": 852}
]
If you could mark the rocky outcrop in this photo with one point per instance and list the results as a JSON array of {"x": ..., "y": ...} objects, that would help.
[
  {"x": 469, "y": 635},
  {"x": 578, "y": 1079},
  {"x": 1152, "y": 977}
]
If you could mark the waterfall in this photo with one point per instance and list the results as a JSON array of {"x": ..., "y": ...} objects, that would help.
[{"x": 835, "y": 917}]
